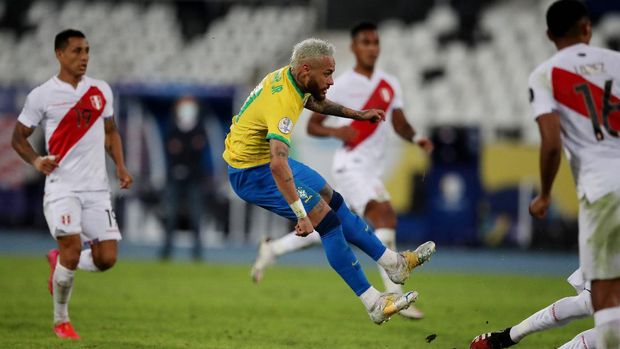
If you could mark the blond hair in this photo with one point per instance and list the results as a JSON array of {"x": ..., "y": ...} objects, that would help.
[{"x": 310, "y": 49}]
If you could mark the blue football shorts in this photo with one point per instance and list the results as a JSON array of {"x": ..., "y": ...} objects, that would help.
[{"x": 257, "y": 186}]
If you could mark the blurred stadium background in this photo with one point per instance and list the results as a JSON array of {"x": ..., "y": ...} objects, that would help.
[{"x": 463, "y": 66}]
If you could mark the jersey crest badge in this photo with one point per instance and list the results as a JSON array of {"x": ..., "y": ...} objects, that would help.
[
  {"x": 65, "y": 219},
  {"x": 96, "y": 102},
  {"x": 285, "y": 125}
]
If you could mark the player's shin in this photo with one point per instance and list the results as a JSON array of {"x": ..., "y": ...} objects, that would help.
[
  {"x": 63, "y": 285},
  {"x": 557, "y": 314},
  {"x": 355, "y": 229},
  {"x": 607, "y": 322},
  {"x": 339, "y": 254}
]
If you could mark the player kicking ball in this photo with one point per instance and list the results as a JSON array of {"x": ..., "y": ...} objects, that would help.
[
  {"x": 358, "y": 164},
  {"x": 261, "y": 172},
  {"x": 574, "y": 96},
  {"x": 77, "y": 116}
]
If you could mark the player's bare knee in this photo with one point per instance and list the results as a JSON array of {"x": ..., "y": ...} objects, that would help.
[
  {"x": 105, "y": 261},
  {"x": 605, "y": 294},
  {"x": 380, "y": 215},
  {"x": 70, "y": 255}
]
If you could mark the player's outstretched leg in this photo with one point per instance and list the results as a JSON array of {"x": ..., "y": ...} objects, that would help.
[
  {"x": 584, "y": 340},
  {"x": 269, "y": 250},
  {"x": 360, "y": 234},
  {"x": 387, "y": 237},
  {"x": 380, "y": 307},
  {"x": 557, "y": 314}
]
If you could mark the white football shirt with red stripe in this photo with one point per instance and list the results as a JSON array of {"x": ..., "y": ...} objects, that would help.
[
  {"x": 72, "y": 119},
  {"x": 356, "y": 91},
  {"x": 572, "y": 83}
]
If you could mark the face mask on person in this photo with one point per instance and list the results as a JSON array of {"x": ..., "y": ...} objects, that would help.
[{"x": 187, "y": 115}]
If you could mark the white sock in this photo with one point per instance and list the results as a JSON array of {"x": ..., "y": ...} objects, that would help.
[
  {"x": 388, "y": 238},
  {"x": 584, "y": 340},
  {"x": 63, "y": 284},
  {"x": 86, "y": 261},
  {"x": 557, "y": 314},
  {"x": 291, "y": 242},
  {"x": 388, "y": 259},
  {"x": 607, "y": 325},
  {"x": 369, "y": 297}
]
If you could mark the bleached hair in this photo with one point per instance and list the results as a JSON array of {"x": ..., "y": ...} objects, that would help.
[{"x": 310, "y": 49}]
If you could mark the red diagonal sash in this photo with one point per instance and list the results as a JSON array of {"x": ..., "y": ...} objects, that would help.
[
  {"x": 76, "y": 122},
  {"x": 381, "y": 98},
  {"x": 564, "y": 83}
]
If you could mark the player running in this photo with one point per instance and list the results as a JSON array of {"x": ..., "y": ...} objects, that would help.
[
  {"x": 574, "y": 96},
  {"x": 358, "y": 164},
  {"x": 77, "y": 116},
  {"x": 261, "y": 172}
]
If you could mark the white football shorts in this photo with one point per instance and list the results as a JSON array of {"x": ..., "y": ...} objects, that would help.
[
  {"x": 599, "y": 237},
  {"x": 89, "y": 214},
  {"x": 358, "y": 188}
]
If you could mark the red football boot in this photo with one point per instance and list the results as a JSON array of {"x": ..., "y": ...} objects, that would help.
[{"x": 64, "y": 330}]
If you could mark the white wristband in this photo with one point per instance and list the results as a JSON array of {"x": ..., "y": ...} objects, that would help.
[{"x": 298, "y": 209}]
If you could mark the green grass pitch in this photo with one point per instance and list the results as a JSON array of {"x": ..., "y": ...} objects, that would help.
[{"x": 140, "y": 304}]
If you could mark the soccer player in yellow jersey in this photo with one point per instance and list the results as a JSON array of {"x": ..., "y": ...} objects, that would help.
[{"x": 261, "y": 172}]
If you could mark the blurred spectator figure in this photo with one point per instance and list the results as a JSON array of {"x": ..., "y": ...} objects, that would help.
[{"x": 186, "y": 141}]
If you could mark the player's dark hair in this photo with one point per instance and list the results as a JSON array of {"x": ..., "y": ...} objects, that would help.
[
  {"x": 362, "y": 26},
  {"x": 62, "y": 39},
  {"x": 563, "y": 16}
]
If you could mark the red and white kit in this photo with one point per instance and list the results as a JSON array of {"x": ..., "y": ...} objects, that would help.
[
  {"x": 358, "y": 165},
  {"x": 77, "y": 193},
  {"x": 582, "y": 84}
]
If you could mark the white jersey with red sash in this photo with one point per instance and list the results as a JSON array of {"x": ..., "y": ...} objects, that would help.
[
  {"x": 74, "y": 132},
  {"x": 579, "y": 82},
  {"x": 353, "y": 90}
]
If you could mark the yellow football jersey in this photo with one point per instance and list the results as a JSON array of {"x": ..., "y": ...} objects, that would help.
[{"x": 270, "y": 111}]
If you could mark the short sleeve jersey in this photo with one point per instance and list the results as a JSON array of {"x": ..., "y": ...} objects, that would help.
[
  {"x": 72, "y": 120},
  {"x": 271, "y": 111},
  {"x": 356, "y": 91},
  {"x": 582, "y": 84}
]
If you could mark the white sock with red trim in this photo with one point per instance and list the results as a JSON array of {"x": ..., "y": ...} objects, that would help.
[
  {"x": 557, "y": 314},
  {"x": 584, "y": 340}
]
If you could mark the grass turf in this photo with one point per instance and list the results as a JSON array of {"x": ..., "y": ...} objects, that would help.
[{"x": 140, "y": 304}]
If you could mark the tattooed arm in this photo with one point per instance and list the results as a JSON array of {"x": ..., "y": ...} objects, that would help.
[
  {"x": 327, "y": 107},
  {"x": 283, "y": 176},
  {"x": 281, "y": 171}
]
